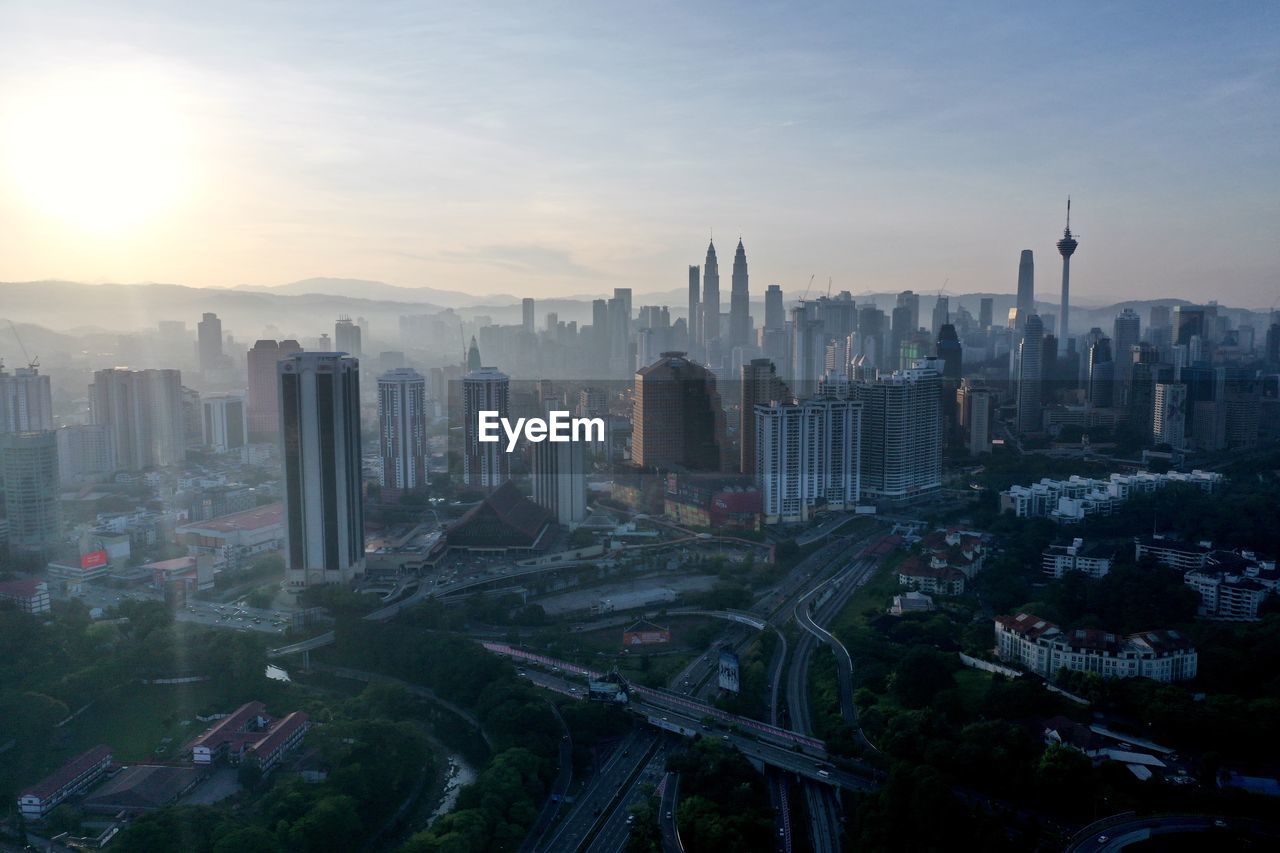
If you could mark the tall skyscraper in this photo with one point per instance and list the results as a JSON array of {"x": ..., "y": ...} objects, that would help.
[
  {"x": 1101, "y": 387},
  {"x": 974, "y": 406},
  {"x": 209, "y": 335},
  {"x": 710, "y": 298},
  {"x": 485, "y": 465},
  {"x": 619, "y": 338},
  {"x": 559, "y": 478},
  {"x": 902, "y": 330},
  {"x": 911, "y": 301},
  {"x": 1030, "y": 376},
  {"x": 1126, "y": 334},
  {"x": 739, "y": 301},
  {"x": 402, "y": 431},
  {"x": 808, "y": 349},
  {"x": 872, "y": 338},
  {"x": 29, "y": 473},
  {"x": 26, "y": 401},
  {"x": 1026, "y": 301},
  {"x": 986, "y": 312},
  {"x": 775, "y": 312},
  {"x": 346, "y": 337},
  {"x": 941, "y": 315},
  {"x": 901, "y": 434},
  {"x": 323, "y": 498},
  {"x": 225, "y": 426},
  {"x": 144, "y": 409},
  {"x": 695, "y": 307},
  {"x": 949, "y": 350},
  {"x": 262, "y": 401},
  {"x": 761, "y": 385},
  {"x": 808, "y": 456},
  {"x": 526, "y": 315},
  {"x": 1066, "y": 247},
  {"x": 1188, "y": 322},
  {"x": 678, "y": 419}
]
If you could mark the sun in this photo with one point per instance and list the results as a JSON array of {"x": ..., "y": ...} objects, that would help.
[{"x": 103, "y": 153}]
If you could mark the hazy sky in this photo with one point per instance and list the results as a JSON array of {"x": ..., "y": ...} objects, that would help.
[{"x": 565, "y": 148}]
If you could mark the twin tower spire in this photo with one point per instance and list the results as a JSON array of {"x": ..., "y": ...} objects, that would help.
[{"x": 705, "y": 326}]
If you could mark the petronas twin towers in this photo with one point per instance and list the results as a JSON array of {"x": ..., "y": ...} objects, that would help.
[{"x": 706, "y": 330}]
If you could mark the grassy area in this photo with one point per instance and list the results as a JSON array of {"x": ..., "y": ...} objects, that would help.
[
  {"x": 972, "y": 685},
  {"x": 871, "y": 599},
  {"x": 139, "y": 722}
]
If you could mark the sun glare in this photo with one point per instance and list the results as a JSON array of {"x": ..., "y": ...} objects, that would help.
[{"x": 104, "y": 154}]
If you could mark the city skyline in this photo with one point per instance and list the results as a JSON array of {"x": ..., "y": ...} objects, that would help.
[{"x": 484, "y": 166}]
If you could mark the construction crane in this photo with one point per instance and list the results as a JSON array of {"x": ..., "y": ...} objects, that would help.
[
  {"x": 32, "y": 363},
  {"x": 806, "y": 290}
]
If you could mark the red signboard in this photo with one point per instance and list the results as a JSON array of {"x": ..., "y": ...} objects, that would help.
[{"x": 93, "y": 559}]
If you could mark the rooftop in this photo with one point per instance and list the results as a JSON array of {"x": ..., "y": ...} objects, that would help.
[
  {"x": 57, "y": 780},
  {"x": 250, "y": 519}
]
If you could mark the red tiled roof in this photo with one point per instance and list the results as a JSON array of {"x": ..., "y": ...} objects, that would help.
[
  {"x": 21, "y": 588},
  {"x": 280, "y": 732},
  {"x": 228, "y": 726},
  {"x": 916, "y": 568},
  {"x": 50, "y": 785},
  {"x": 1027, "y": 624}
]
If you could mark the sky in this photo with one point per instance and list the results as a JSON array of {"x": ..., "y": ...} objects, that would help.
[{"x": 553, "y": 149}]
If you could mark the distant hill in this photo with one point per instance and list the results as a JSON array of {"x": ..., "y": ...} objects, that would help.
[{"x": 355, "y": 288}]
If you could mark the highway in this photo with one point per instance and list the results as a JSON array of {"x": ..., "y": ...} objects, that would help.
[
  {"x": 616, "y": 829},
  {"x": 594, "y": 802},
  {"x": 1117, "y": 832},
  {"x": 668, "y": 805}
]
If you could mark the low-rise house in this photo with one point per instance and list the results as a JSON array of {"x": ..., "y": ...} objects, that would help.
[
  {"x": 1043, "y": 648},
  {"x": 250, "y": 735},
  {"x": 1094, "y": 560},
  {"x": 29, "y": 595},
  {"x": 930, "y": 575},
  {"x": 67, "y": 781},
  {"x": 911, "y": 602}
]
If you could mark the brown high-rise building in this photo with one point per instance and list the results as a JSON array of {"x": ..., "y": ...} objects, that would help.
[
  {"x": 262, "y": 404},
  {"x": 760, "y": 386},
  {"x": 678, "y": 420}
]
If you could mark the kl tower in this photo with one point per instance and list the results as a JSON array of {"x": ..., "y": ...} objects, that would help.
[{"x": 1067, "y": 247}]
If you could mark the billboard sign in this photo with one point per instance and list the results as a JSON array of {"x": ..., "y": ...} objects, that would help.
[
  {"x": 729, "y": 671},
  {"x": 93, "y": 559}
]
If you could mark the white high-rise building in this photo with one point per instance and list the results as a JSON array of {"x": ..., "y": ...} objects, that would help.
[
  {"x": 225, "y": 422},
  {"x": 144, "y": 409},
  {"x": 526, "y": 315},
  {"x": 560, "y": 479},
  {"x": 485, "y": 465},
  {"x": 901, "y": 432},
  {"x": 1169, "y": 420},
  {"x": 402, "y": 429},
  {"x": 808, "y": 457},
  {"x": 86, "y": 453},
  {"x": 320, "y": 441},
  {"x": 26, "y": 404}
]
